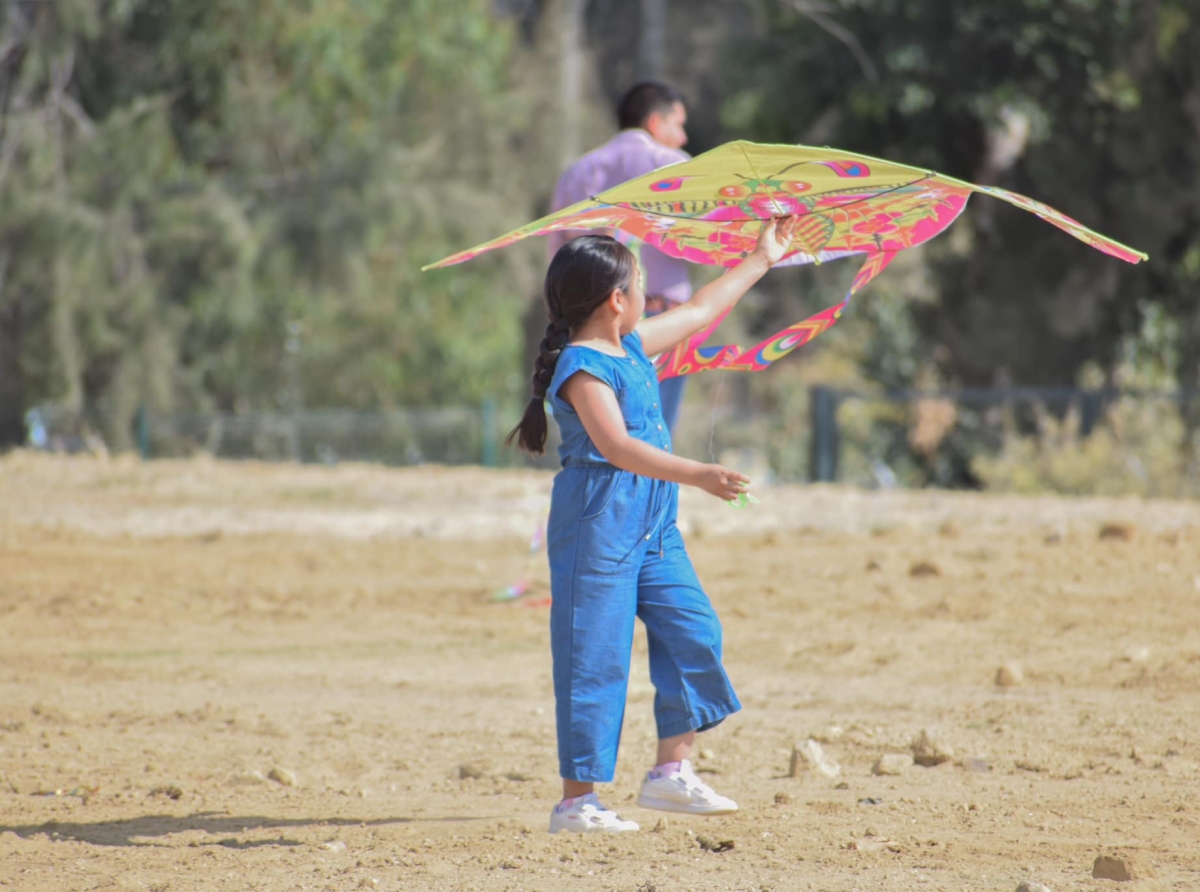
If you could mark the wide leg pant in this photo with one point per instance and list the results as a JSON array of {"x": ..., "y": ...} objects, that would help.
[{"x": 617, "y": 557}]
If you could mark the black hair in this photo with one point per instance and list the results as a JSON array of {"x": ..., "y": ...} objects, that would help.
[
  {"x": 644, "y": 99},
  {"x": 582, "y": 274}
]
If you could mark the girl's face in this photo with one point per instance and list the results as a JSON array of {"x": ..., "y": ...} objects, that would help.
[{"x": 633, "y": 302}]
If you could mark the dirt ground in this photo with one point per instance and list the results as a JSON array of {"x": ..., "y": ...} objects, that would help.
[{"x": 173, "y": 635}]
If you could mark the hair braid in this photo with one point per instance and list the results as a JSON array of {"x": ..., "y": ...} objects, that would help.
[
  {"x": 582, "y": 275},
  {"x": 557, "y": 333}
]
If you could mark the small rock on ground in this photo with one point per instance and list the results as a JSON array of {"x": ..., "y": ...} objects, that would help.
[
  {"x": 809, "y": 756},
  {"x": 1123, "y": 868},
  {"x": 282, "y": 776},
  {"x": 1029, "y": 886},
  {"x": 976, "y": 764},
  {"x": 1122, "y": 532},
  {"x": 892, "y": 764},
  {"x": 922, "y": 569},
  {"x": 1009, "y": 675},
  {"x": 930, "y": 748},
  {"x": 712, "y": 844}
]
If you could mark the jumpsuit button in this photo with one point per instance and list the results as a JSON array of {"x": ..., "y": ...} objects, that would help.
[
  {"x": 660, "y": 427},
  {"x": 647, "y": 537},
  {"x": 656, "y": 406}
]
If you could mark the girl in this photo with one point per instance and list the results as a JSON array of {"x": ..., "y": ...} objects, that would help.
[{"x": 615, "y": 552}]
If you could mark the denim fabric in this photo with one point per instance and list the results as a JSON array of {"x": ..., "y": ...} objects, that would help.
[
  {"x": 671, "y": 391},
  {"x": 616, "y": 554},
  {"x": 632, "y": 378}
]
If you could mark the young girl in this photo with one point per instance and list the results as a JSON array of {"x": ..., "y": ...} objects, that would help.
[{"x": 615, "y": 552}]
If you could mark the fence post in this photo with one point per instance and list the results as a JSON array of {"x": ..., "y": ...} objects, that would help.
[
  {"x": 489, "y": 433},
  {"x": 826, "y": 442},
  {"x": 143, "y": 432},
  {"x": 1093, "y": 406}
]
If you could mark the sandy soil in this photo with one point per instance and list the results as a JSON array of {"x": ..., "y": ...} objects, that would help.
[{"x": 172, "y": 635}]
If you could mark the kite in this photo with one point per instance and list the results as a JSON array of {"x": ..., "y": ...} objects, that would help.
[{"x": 711, "y": 208}]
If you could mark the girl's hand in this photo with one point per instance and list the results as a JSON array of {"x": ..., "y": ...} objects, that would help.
[
  {"x": 722, "y": 482},
  {"x": 775, "y": 240}
]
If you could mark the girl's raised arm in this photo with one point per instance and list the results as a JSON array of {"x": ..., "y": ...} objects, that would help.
[{"x": 662, "y": 332}]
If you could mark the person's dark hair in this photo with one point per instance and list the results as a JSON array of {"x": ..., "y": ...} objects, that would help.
[
  {"x": 583, "y": 273},
  {"x": 644, "y": 99}
]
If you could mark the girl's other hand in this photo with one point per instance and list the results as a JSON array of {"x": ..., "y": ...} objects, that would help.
[
  {"x": 722, "y": 482},
  {"x": 775, "y": 240}
]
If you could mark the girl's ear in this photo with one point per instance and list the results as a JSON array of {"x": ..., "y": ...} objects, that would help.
[{"x": 616, "y": 301}]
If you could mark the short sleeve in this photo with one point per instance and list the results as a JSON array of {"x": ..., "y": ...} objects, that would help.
[{"x": 581, "y": 359}]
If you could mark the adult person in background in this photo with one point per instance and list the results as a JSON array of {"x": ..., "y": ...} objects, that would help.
[{"x": 652, "y": 118}]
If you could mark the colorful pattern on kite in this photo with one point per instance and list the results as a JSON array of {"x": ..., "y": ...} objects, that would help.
[
  {"x": 710, "y": 210},
  {"x": 691, "y": 356}
]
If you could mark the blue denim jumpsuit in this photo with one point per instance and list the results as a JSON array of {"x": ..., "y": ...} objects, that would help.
[{"x": 616, "y": 553}]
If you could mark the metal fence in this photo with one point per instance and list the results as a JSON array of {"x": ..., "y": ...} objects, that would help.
[
  {"x": 895, "y": 438},
  {"x": 947, "y": 438},
  {"x": 454, "y": 436}
]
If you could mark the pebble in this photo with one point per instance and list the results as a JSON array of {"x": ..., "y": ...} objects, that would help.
[
  {"x": 892, "y": 764},
  {"x": 470, "y": 771},
  {"x": 782, "y": 798},
  {"x": 1122, "y": 868},
  {"x": 1137, "y": 655},
  {"x": 832, "y": 734},
  {"x": 1122, "y": 532},
  {"x": 923, "y": 569},
  {"x": 282, "y": 776},
  {"x": 711, "y": 844},
  {"x": 808, "y": 756},
  {"x": 1009, "y": 675},
  {"x": 1030, "y": 886},
  {"x": 930, "y": 748},
  {"x": 335, "y": 845},
  {"x": 976, "y": 764}
]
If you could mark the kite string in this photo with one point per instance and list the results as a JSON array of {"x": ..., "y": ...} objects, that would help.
[{"x": 712, "y": 430}]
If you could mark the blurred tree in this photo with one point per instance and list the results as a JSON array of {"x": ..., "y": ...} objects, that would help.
[
  {"x": 224, "y": 204},
  {"x": 1090, "y": 105}
]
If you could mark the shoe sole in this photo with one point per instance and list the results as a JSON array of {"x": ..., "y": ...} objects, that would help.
[
  {"x": 682, "y": 808},
  {"x": 555, "y": 830}
]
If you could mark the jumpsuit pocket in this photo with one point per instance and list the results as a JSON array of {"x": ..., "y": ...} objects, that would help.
[{"x": 598, "y": 492}]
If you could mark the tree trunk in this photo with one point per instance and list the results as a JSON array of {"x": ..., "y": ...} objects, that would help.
[
  {"x": 570, "y": 70},
  {"x": 12, "y": 382},
  {"x": 653, "y": 44}
]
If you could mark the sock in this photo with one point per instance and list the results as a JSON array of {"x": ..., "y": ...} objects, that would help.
[
  {"x": 567, "y": 803},
  {"x": 664, "y": 769}
]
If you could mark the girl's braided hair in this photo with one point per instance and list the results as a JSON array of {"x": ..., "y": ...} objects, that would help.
[{"x": 583, "y": 273}]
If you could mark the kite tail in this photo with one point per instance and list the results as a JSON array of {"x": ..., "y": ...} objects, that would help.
[{"x": 691, "y": 356}]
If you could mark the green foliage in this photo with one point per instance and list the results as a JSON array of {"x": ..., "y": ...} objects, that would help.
[
  {"x": 1078, "y": 103},
  {"x": 223, "y": 205},
  {"x": 1141, "y": 449},
  {"x": 218, "y": 204}
]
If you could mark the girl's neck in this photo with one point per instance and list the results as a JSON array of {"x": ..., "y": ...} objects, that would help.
[{"x": 601, "y": 336}]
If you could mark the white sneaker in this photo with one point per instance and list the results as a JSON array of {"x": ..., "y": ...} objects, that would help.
[
  {"x": 587, "y": 815},
  {"x": 682, "y": 791}
]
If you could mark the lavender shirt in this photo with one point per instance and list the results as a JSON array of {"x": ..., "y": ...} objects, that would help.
[{"x": 629, "y": 154}]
